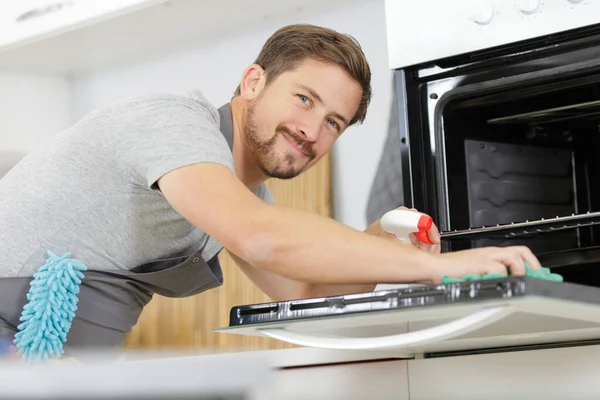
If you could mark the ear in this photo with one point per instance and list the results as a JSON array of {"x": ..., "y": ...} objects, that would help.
[{"x": 252, "y": 82}]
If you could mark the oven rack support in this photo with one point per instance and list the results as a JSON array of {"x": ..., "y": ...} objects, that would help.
[{"x": 518, "y": 229}]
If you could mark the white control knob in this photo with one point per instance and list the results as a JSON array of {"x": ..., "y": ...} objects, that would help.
[
  {"x": 529, "y": 6},
  {"x": 483, "y": 12}
]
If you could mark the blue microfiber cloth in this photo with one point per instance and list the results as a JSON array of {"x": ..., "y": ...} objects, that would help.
[
  {"x": 48, "y": 315},
  {"x": 542, "y": 273}
]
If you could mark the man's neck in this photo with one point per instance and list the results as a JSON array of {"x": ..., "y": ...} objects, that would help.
[{"x": 246, "y": 168}]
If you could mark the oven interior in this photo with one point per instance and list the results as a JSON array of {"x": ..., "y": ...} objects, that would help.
[{"x": 523, "y": 156}]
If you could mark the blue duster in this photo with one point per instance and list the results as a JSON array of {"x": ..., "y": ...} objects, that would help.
[{"x": 52, "y": 302}]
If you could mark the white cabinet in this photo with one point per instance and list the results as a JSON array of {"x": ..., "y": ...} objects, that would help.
[
  {"x": 376, "y": 380},
  {"x": 561, "y": 373},
  {"x": 31, "y": 20},
  {"x": 65, "y": 36},
  {"x": 44, "y": 35}
]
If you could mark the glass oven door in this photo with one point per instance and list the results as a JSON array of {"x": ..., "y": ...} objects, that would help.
[{"x": 433, "y": 320}]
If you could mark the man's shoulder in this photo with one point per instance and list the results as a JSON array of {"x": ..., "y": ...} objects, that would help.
[{"x": 156, "y": 103}]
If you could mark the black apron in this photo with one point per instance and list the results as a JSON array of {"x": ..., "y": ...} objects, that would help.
[{"x": 111, "y": 301}]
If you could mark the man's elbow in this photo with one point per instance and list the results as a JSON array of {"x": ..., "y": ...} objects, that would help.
[{"x": 260, "y": 249}]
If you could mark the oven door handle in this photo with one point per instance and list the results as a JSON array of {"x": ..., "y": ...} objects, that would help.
[{"x": 448, "y": 330}]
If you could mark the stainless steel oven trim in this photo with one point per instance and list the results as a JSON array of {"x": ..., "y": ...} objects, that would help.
[
  {"x": 435, "y": 93},
  {"x": 535, "y": 79},
  {"x": 405, "y": 154}
]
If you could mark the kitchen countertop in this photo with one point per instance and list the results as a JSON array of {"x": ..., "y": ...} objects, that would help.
[{"x": 301, "y": 373}]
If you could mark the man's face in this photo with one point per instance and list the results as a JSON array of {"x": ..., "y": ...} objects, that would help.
[{"x": 296, "y": 118}]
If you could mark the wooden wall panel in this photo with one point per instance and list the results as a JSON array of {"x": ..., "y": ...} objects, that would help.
[{"x": 188, "y": 323}]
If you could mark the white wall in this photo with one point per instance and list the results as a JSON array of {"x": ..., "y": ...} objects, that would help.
[
  {"x": 215, "y": 68},
  {"x": 32, "y": 109}
]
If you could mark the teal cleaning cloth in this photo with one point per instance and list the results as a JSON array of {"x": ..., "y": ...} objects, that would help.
[
  {"x": 542, "y": 273},
  {"x": 46, "y": 318}
]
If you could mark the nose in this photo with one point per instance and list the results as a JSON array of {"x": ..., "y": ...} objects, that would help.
[{"x": 310, "y": 131}]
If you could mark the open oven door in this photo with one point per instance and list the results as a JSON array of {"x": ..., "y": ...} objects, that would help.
[{"x": 485, "y": 315}]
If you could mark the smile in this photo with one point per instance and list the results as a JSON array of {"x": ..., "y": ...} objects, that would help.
[{"x": 294, "y": 145}]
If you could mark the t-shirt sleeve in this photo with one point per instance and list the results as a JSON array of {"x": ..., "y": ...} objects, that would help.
[{"x": 163, "y": 134}]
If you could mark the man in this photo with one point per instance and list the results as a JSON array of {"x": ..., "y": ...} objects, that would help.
[{"x": 147, "y": 191}]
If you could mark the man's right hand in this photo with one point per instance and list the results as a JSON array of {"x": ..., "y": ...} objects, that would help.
[{"x": 483, "y": 261}]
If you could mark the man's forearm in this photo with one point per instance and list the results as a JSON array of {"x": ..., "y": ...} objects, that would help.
[
  {"x": 279, "y": 288},
  {"x": 324, "y": 290},
  {"x": 309, "y": 248}
]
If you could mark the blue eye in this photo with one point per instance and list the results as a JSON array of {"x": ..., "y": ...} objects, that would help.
[
  {"x": 304, "y": 99},
  {"x": 332, "y": 123}
]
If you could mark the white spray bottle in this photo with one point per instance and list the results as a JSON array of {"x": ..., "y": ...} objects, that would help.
[{"x": 402, "y": 223}]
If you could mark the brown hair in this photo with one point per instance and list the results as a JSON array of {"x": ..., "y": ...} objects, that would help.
[{"x": 290, "y": 45}]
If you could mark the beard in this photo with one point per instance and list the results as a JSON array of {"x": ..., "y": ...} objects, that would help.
[{"x": 264, "y": 150}]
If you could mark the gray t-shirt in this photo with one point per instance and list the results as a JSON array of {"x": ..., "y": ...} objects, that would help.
[{"x": 92, "y": 191}]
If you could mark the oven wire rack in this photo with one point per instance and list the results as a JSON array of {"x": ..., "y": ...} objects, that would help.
[{"x": 526, "y": 228}]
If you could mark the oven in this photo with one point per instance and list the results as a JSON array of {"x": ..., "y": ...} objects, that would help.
[
  {"x": 501, "y": 145},
  {"x": 498, "y": 107}
]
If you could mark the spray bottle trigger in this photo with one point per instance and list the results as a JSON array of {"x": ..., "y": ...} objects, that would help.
[
  {"x": 424, "y": 225},
  {"x": 422, "y": 236}
]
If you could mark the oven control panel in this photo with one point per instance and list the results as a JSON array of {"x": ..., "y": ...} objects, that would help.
[{"x": 426, "y": 30}]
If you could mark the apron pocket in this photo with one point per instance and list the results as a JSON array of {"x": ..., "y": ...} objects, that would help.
[
  {"x": 176, "y": 277},
  {"x": 159, "y": 265}
]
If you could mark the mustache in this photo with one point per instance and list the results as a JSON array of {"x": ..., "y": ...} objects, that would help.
[{"x": 307, "y": 148}]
